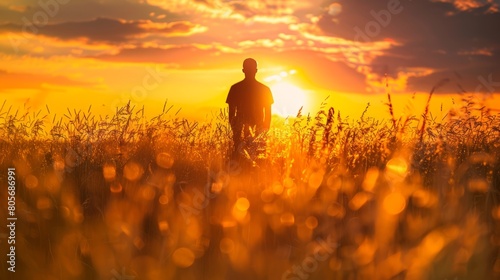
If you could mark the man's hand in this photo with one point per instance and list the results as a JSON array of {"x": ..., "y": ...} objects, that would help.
[{"x": 232, "y": 114}]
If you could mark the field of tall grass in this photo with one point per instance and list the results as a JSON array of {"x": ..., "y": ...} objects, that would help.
[{"x": 327, "y": 197}]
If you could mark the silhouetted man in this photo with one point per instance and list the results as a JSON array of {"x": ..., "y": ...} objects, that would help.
[{"x": 249, "y": 105}]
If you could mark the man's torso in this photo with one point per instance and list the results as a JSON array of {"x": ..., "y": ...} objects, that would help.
[{"x": 250, "y": 97}]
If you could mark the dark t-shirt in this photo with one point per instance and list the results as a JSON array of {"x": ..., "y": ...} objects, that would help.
[{"x": 250, "y": 98}]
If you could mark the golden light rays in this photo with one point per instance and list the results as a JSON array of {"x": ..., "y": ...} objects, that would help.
[{"x": 288, "y": 97}]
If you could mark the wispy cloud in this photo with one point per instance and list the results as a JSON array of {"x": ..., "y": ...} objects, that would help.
[{"x": 486, "y": 6}]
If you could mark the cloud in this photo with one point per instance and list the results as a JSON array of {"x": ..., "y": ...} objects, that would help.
[
  {"x": 186, "y": 57},
  {"x": 441, "y": 37},
  {"x": 468, "y": 5},
  {"x": 317, "y": 69},
  {"x": 423, "y": 42},
  {"x": 11, "y": 13},
  {"x": 334, "y": 9},
  {"x": 477, "y": 51},
  {"x": 83, "y": 10},
  {"x": 270, "y": 11},
  {"x": 200, "y": 9},
  {"x": 268, "y": 43},
  {"x": 106, "y": 30}
]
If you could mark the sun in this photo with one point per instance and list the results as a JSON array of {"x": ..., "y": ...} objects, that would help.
[{"x": 288, "y": 99}]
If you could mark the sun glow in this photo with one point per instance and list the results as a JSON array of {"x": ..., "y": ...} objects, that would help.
[{"x": 288, "y": 99}]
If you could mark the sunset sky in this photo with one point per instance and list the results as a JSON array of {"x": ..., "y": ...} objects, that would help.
[{"x": 74, "y": 53}]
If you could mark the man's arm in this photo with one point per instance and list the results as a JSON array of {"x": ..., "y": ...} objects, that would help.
[
  {"x": 267, "y": 117},
  {"x": 232, "y": 107},
  {"x": 232, "y": 113}
]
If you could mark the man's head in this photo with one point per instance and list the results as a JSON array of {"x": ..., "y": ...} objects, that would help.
[{"x": 250, "y": 67}]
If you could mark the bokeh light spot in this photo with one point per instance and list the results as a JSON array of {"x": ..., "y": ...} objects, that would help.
[
  {"x": 31, "y": 181},
  {"x": 226, "y": 245},
  {"x": 148, "y": 193},
  {"x": 164, "y": 160},
  {"x": 397, "y": 168},
  {"x": 109, "y": 172},
  {"x": 478, "y": 185},
  {"x": 423, "y": 198},
  {"x": 336, "y": 210},
  {"x": 183, "y": 257},
  {"x": 267, "y": 195},
  {"x": 278, "y": 188},
  {"x": 115, "y": 187},
  {"x": 242, "y": 204},
  {"x": 163, "y": 226},
  {"x": 370, "y": 180},
  {"x": 359, "y": 200},
  {"x": 495, "y": 213},
  {"x": 334, "y": 182},
  {"x": 217, "y": 187},
  {"x": 132, "y": 171},
  {"x": 315, "y": 180},
  {"x": 311, "y": 222},
  {"x": 287, "y": 219},
  {"x": 163, "y": 199},
  {"x": 394, "y": 203}
]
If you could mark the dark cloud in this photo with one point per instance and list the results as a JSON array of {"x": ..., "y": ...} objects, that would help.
[
  {"x": 434, "y": 35},
  {"x": 243, "y": 9},
  {"x": 9, "y": 15},
  {"x": 84, "y": 10},
  {"x": 428, "y": 21},
  {"x": 104, "y": 30}
]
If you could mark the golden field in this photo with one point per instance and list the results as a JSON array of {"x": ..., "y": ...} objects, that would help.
[{"x": 327, "y": 197}]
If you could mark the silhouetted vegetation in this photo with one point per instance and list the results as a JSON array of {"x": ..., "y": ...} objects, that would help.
[{"x": 408, "y": 198}]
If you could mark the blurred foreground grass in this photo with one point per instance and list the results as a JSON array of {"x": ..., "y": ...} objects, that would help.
[{"x": 125, "y": 197}]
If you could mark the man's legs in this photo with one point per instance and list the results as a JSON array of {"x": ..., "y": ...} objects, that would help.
[
  {"x": 237, "y": 137},
  {"x": 251, "y": 138},
  {"x": 254, "y": 140}
]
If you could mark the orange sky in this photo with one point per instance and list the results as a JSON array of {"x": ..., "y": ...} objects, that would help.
[{"x": 103, "y": 53}]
